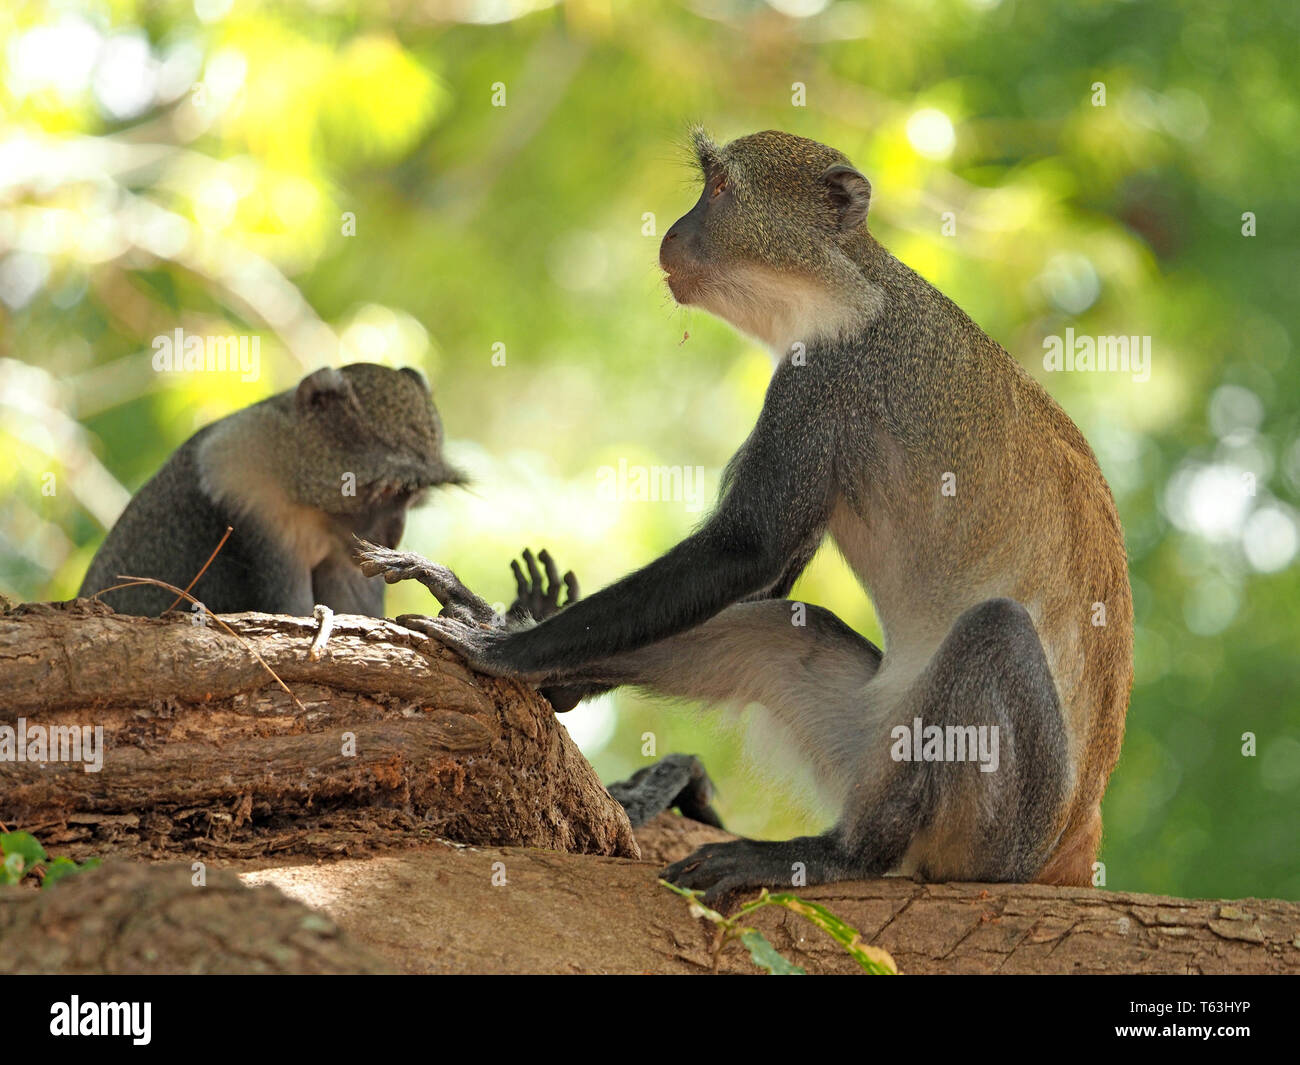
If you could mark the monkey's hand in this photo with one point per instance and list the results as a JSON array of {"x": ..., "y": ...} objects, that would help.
[
  {"x": 480, "y": 646},
  {"x": 467, "y": 623},
  {"x": 476, "y": 643},
  {"x": 458, "y": 602},
  {"x": 535, "y": 601}
]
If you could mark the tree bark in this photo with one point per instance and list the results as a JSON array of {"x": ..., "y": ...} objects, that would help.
[
  {"x": 205, "y": 755},
  {"x": 206, "y": 758},
  {"x": 452, "y": 909},
  {"x": 565, "y": 913},
  {"x": 133, "y": 919}
]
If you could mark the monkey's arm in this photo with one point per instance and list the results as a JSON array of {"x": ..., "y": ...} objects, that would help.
[
  {"x": 781, "y": 589},
  {"x": 566, "y": 697},
  {"x": 778, "y": 498}
]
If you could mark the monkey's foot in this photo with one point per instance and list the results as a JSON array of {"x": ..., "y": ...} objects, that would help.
[
  {"x": 458, "y": 602},
  {"x": 679, "y": 781},
  {"x": 535, "y": 601},
  {"x": 564, "y": 698},
  {"x": 726, "y": 869}
]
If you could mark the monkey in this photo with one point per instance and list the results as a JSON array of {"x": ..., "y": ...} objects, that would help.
[
  {"x": 346, "y": 452},
  {"x": 969, "y": 507},
  {"x": 676, "y": 781}
]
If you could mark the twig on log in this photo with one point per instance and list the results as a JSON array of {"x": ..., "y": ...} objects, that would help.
[{"x": 325, "y": 619}]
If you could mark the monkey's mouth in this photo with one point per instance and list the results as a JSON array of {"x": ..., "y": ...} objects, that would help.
[
  {"x": 682, "y": 285},
  {"x": 411, "y": 486}
]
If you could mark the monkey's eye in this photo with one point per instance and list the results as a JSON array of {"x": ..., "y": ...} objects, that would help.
[{"x": 719, "y": 187}]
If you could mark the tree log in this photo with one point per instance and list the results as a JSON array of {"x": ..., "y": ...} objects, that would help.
[
  {"x": 439, "y": 910},
  {"x": 453, "y": 909},
  {"x": 205, "y": 757},
  {"x": 392, "y": 741}
]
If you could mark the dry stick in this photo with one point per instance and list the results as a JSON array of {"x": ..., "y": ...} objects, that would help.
[
  {"x": 189, "y": 587},
  {"x": 132, "y": 582},
  {"x": 204, "y": 570}
]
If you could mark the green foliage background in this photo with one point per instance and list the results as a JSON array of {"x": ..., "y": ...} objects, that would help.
[{"x": 190, "y": 165}]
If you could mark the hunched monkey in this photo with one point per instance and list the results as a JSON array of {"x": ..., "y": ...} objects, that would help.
[
  {"x": 346, "y": 452},
  {"x": 969, "y": 506}
]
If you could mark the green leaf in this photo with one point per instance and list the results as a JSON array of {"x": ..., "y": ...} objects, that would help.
[
  {"x": 24, "y": 845},
  {"x": 13, "y": 868},
  {"x": 766, "y": 956},
  {"x": 57, "y": 869},
  {"x": 873, "y": 959}
]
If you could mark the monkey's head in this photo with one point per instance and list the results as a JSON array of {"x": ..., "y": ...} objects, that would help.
[
  {"x": 371, "y": 440},
  {"x": 773, "y": 241}
]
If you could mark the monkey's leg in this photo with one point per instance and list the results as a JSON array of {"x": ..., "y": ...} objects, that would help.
[
  {"x": 807, "y": 668},
  {"x": 997, "y": 814},
  {"x": 801, "y": 662},
  {"x": 988, "y": 683}
]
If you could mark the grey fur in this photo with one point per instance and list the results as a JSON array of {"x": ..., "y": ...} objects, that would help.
[{"x": 276, "y": 472}]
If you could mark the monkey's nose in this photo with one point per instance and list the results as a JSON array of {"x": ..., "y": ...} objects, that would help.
[{"x": 665, "y": 252}]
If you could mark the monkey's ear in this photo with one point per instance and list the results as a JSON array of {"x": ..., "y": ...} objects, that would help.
[
  {"x": 324, "y": 388},
  {"x": 707, "y": 154},
  {"x": 850, "y": 193},
  {"x": 418, "y": 377}
]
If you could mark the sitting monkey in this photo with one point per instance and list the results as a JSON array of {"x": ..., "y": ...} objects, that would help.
[
  {"x": 969, "y": 506},
  {"x": 296, "y": 476}
]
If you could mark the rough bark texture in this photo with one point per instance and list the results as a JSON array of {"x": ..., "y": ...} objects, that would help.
[
  {"x": 152, "y": 919},
  {"x": 440, "y": 911},
  {"x": 453, "y": 909},
  {"x": 207, "y": 757}
]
